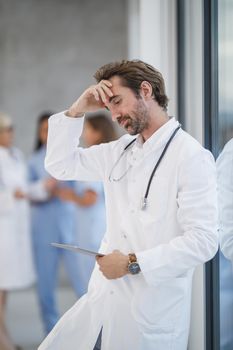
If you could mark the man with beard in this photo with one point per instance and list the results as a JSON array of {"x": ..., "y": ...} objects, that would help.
[{"x": 160, "y": 190}]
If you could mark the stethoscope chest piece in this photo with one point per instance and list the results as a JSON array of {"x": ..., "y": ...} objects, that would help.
[{"x": 143, "y": 203}]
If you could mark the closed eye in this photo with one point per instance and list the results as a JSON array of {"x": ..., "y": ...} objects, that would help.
[{"x": 116, "y": 101}]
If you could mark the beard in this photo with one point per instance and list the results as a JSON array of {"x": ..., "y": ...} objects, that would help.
[{"x": 137, "y": 121}]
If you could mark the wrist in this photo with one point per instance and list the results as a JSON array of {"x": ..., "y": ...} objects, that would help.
[{"x": 74, "y": 114}]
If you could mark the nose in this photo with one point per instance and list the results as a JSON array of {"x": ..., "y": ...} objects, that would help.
[
  {"x": 114, "y": 110},
  {"x": 115, "y": 113}
]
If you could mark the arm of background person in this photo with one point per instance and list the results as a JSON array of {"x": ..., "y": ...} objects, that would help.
[
  {"x": 86, "y": 199},
  {"x": 38, "y": 189}
]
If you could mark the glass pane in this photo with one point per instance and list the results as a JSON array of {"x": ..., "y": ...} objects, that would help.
[{"x": 225, "y": 170}]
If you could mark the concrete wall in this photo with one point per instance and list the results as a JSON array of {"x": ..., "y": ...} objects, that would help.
[{"x": 49, "y": 52}]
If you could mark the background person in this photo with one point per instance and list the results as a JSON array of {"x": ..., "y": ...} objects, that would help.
[
  {"x": 89, "y": 198},
  {"x": 224, "y": 164},
  {"x": 16, "y": 265},
  {"x": 53, "y": 220}
]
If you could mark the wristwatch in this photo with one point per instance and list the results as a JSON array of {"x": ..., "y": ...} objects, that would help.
[{"x": 133, "y": 266}]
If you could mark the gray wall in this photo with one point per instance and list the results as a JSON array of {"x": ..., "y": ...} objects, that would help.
[{"x": 49, "y": 50}]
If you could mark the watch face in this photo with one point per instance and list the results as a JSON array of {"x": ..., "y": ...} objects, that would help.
[{"x": 134, "y": 268}]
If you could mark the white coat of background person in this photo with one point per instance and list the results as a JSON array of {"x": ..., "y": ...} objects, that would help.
[
  {"x": 166, "y": 238},
  {"x": 16, "y": 266},
  {"x": 225, "y": 203},
  {"x": 225, "y": 199}
]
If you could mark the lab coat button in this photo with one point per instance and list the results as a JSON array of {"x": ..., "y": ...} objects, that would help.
[{"x": 111, "y": 292}]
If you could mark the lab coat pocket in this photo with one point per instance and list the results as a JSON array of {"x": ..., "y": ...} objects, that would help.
[
  {"x": 161, "y": 339},
  {"x": 158, "y": 309}
]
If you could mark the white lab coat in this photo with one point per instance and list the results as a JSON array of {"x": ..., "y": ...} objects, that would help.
[
  {"x": 16, "y": 263},
  {"x": 175, "y": 233},
  {"x": 225, "y": 199}
]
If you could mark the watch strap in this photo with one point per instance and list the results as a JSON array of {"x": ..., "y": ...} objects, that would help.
[{"x": 132, "y": 258}]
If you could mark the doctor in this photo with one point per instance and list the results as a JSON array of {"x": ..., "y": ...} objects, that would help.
[
  {"x": 16, "y": 264},
  {"x": 160, "y": 190}
]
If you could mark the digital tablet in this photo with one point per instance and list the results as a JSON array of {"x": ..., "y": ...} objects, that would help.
[{"x": 76, "y": 249}]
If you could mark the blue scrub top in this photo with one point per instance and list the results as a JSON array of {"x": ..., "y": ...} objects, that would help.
[
  {"x": 91, "y": 221},
  {"x": 52, "y": 220}
]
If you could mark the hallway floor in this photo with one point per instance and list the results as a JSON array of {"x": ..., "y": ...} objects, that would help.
[{"x": 23, "y": 317}]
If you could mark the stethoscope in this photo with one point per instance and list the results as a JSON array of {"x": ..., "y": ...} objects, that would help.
[{"x": 145, "y": 197}]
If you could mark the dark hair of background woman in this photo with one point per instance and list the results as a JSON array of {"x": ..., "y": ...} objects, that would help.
[
  {"x": 104, "y": 125},
  {"x": 42, "y": 117},
  {"x": 99, "y": 122}
]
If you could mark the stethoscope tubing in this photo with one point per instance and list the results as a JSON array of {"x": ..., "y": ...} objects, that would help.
[{"x": 144, "y": 201}]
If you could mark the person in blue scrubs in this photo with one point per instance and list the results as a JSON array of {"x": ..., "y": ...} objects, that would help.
[
  {"x": 89, "y": 199},
  {"x": 53, "y": 220}
]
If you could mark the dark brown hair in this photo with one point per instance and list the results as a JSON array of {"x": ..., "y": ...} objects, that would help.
[
  {"x": 104, "y": 126},
  {"x": 132, "y": 74},
  {"x": 42, "y": 117}
]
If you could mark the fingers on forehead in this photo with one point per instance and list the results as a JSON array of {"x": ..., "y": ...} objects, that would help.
[
  {"x": 95, "y": 93},
  {"x": 101, "y": 93},
  {"x": 106, "y": 82},
  {"x": 107, "y": 90}
]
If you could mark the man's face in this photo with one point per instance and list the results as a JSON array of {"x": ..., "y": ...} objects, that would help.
[{"x": 130, "y": 111}]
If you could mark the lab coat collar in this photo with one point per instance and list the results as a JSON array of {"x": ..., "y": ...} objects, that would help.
[{"x": 159, "y": 137}]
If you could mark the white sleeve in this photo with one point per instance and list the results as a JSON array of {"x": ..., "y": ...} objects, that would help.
[
  {"x": 7, "y": 201},
  {"x": 225, "y": 200},
  {"x": 64, "y": 159},
  {"x": 197, "y": 219}
]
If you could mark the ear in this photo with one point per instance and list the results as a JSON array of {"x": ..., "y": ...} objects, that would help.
[{"x": 146, "y": 90}]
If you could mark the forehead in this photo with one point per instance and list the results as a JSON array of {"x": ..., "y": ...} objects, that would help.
[
  {"x": 118, "y": 89},
  {"x": 117, "y": 85}
]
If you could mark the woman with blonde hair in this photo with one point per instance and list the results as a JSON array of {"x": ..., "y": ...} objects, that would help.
[{"x": 16, "y": 266}]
